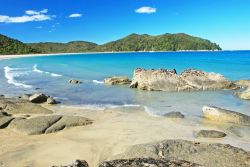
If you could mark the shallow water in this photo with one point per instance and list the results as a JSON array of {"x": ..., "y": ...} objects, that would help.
[{"x": 51, "y": 74}]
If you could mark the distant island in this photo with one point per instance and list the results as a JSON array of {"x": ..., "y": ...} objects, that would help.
[{"x": 133, "y": 42}]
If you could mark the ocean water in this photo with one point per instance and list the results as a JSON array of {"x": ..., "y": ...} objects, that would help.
[{"x": 50, "y": 75}]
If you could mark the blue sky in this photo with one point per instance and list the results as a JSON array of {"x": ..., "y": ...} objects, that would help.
[{"x": 226, "y": 22}]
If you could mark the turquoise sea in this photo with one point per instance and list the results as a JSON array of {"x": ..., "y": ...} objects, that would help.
[{"x": 50, "y": 75}]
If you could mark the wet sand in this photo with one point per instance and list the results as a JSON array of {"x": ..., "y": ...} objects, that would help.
[{"x": 113, "y": 130}]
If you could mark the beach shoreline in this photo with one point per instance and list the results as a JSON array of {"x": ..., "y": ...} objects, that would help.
[
  {"x": 113, "y": 131},
  {"x": 58, "y": 54}
]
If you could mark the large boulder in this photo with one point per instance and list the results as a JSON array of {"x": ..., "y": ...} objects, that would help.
[
  {"x": 211, "y": 134},
  {"x": 34, "y": 126},
  {"x": 225, "y": 116},
  {"x": 244, "y": 94},
  {"x": 117, "y": 81},
  {"x": 205, "y": 154},
  {"x": 21, "y": 106},
  {"x": 169, "y": 80},
  {"x": 47, "y": 124},
  {"x": 147, "y": 162},
  {"x": 243, "y": 83},
  {"x": 38, "y": 98},
  {"x": 68, "y": 121}
]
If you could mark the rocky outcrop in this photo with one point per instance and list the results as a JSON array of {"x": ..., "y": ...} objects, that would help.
[
  {"x": 169, "y": 80},
  {"x": 174, "y": 115},
  {"x": 210, "y": 134},
  {"x": 205, "y": 154},
  {"x": 117, "y": 81},
  {"x": 244, "y": 94},
  {"x": 21, "y": 106},
  {"x": 38, "y": 98},
  {"x": 73, "y": 81},
  {"x": 147, "y": 162},
  {"x": 77, "y": 163},
  {"x": 51, "y": 100},
  {"x": 47, "y": 124},
  {"x": 225, "y": 116}
]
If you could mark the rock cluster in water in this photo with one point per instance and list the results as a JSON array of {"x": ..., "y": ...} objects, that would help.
[
  {"x": 117, "y": 81},
  {"x": 169, "y": 80}
]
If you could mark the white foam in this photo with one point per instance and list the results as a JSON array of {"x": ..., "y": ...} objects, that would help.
[
  {"x": 11, "y": 74},
  {"x": 98, "y": 82},
  {"x": 35, "y": 69}
]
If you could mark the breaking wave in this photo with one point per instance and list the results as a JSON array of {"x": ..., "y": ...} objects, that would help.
[
  {"x": 12, "y": 73},
  {"x": 98, "y": 82},
  {"x": 35, "y": 69}
]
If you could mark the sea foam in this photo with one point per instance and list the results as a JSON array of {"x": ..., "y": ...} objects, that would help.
[
  {"x": 12, "y": 73},
  {"x": 35, "y": 69},
  {"x": 98, "y": 82}
]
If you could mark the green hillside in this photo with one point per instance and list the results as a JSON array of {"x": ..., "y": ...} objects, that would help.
[
  {"x": 12, "y": 46},
  {"x": 133, "y": 42}
]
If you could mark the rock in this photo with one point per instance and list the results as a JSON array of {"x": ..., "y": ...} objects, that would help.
[
  {"x": 243, "y": 83},
  {"x": 174, "y": 115},
  {"x": 211, "y": 134},
  {"x": 47, "y": 124},
  {"x": 36, "y": 125},
  {"x": 3, "y": 114},
  {"x": 4, "y": 121},
  {"x": 225, "y": 116},
  {"x": 77, "y": 163},
  {"x": 117, "y": 81},
  {"x": 244, "y": 94},
  {"x": 205, "y": 154},
  {"x": 68, "y": 121},
  {"x": 147, "y": 162},
  {"x": 73, "y": 81},
  {"x": 26, "y": 96},
  {"x": 21, "y": 106},
  {"x": 169, "y": 80},
  {"x": 38, "y": 98},
  {"x": 51, "y": 100}
]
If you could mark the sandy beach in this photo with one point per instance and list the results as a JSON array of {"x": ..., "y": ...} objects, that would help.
[{"x": 113, "y": 131}]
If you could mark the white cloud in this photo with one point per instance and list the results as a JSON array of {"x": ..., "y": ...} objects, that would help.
[
  {"x": 31, "y": 15},
  {"x": 75, "y": 15},
  {"x": 146, "y": 9}
]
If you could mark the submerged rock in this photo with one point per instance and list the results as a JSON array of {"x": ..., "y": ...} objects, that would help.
[
  {"x": 225, "y": 116},
  {"x": 117, "y": 81},
  {"x": 47, "y": 124},
  {"x": 38, "y": 98},
  {"x": 205, "y": 154},
  {"x": 211, "y": 134},
  {"x": 147, "y": 162},
  {"x": 73, "y": 81},
  {"x": 174, "y": 115},
  {"x": 169, "y": 80},
  {"x": 77, "y": 163}
]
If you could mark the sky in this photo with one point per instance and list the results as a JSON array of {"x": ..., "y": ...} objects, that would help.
[{"x": 226, "y": 22}]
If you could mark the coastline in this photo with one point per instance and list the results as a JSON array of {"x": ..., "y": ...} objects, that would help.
[{"x": 57, "y": 54}]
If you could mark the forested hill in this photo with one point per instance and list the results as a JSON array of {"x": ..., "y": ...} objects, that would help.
[
  {"x": 12, "y": 46},
  {"x": 133, "y": 42}
]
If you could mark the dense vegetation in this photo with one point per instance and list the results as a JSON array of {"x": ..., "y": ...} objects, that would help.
[
  {"x": 133, "y": 42},
  {"x": 166, "y": 42},
  {"x": 12, "y": 46},
  {"x": 70, "y": 47}
]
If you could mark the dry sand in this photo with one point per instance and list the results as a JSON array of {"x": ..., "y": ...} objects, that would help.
[{"x": 113, "y": 131}]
